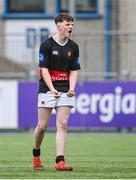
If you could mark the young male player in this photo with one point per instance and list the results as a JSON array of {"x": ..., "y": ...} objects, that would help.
[{"x": 59, "y": 62}]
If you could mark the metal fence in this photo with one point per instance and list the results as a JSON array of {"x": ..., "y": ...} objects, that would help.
[{"x": 23, "y": 51}]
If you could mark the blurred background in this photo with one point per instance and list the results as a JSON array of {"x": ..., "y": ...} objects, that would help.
[{"x": 106, "y": 33}]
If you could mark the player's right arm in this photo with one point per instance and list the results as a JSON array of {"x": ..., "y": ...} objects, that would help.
[
  {"x": 48, "y": 81},
  {"x": 75, "y": 66},
  {"x": 44, "y": 65}
]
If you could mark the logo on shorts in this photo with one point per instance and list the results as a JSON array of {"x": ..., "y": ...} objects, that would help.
[{"x": 42, "y": 102}]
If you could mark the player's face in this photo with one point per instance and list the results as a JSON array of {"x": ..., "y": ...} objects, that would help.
[{"x": 66, "y": 28}]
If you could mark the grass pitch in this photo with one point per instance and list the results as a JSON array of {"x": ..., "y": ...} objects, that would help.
[{"x": 93, "y": 156}]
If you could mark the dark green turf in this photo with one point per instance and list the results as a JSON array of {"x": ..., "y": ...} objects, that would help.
[{"x": 100, "y": 156}]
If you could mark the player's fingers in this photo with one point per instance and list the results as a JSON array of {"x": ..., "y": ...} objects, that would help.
[
  {"x": 57, "y": 94},
  {"x": 70, "y": 94}
]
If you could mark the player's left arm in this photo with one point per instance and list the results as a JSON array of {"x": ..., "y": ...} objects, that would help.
[
  {"x": 72, "y": 83},
  {"x": 74, "y": 73}
]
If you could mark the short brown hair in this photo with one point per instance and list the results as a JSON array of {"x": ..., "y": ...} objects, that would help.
[{"x": 63, "y": 17}]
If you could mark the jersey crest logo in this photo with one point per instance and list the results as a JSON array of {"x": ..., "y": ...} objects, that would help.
[
  {"x": 55, "y": 52},
  {"x": 69, "y": 53}
]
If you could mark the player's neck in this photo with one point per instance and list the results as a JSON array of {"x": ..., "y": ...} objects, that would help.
[{"x": 61, "y": 39}]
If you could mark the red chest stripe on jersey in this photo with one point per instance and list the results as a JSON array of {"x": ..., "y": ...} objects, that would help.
[{"x": 58, "y": 75}]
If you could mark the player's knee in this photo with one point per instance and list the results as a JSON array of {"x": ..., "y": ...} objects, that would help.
[
  {"x": 42, "y": 127},
  {"x": 62, "y": 125}
]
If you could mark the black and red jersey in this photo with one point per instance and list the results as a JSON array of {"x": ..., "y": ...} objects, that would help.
[{"x": 59, "y": 60}]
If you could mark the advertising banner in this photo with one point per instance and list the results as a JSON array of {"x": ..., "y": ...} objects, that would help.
[
  {"x": 97, "y": 104},
  {"x": 8, "y": 104}
]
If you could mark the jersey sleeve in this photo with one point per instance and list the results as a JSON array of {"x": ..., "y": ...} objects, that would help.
[
  {"x": 44, "y": 55},
  {"x": 76, "y": 59}
]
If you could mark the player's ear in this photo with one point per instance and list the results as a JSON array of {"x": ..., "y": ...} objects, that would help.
[{"x": 58, "y": 26}]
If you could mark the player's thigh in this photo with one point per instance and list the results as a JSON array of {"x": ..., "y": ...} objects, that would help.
[
  {"x": 44, "y": 116},
  {"x": 62, "y": 114}
]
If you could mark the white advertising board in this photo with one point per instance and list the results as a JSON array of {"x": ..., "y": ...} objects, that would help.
[{"x": 8, "y": 104}]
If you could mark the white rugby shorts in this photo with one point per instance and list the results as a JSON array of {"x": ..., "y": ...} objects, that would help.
[{"x": 48, "y": 100}]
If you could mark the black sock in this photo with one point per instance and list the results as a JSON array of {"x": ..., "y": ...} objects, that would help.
[
  {"x": 36, "y": 152},
  {"x": 60, "y": 158}
]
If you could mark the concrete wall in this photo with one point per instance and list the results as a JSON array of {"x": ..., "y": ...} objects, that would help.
[
  {"x": 1, "y": 11},
  {"x": 123, "y": 37},
  {"x": 127, "y": 21},
  {"x": 92, "y": 45},
  {"x": 127, "y": 15},
  {"x": 2, "y": 27}
]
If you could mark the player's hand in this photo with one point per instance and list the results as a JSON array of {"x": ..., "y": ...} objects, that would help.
[
  {"x": 70, "y": 93},
  {"x": 55, "y": 93}
]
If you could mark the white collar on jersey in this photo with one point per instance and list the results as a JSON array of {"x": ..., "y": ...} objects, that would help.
[{"x": 61, "y": 44}]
